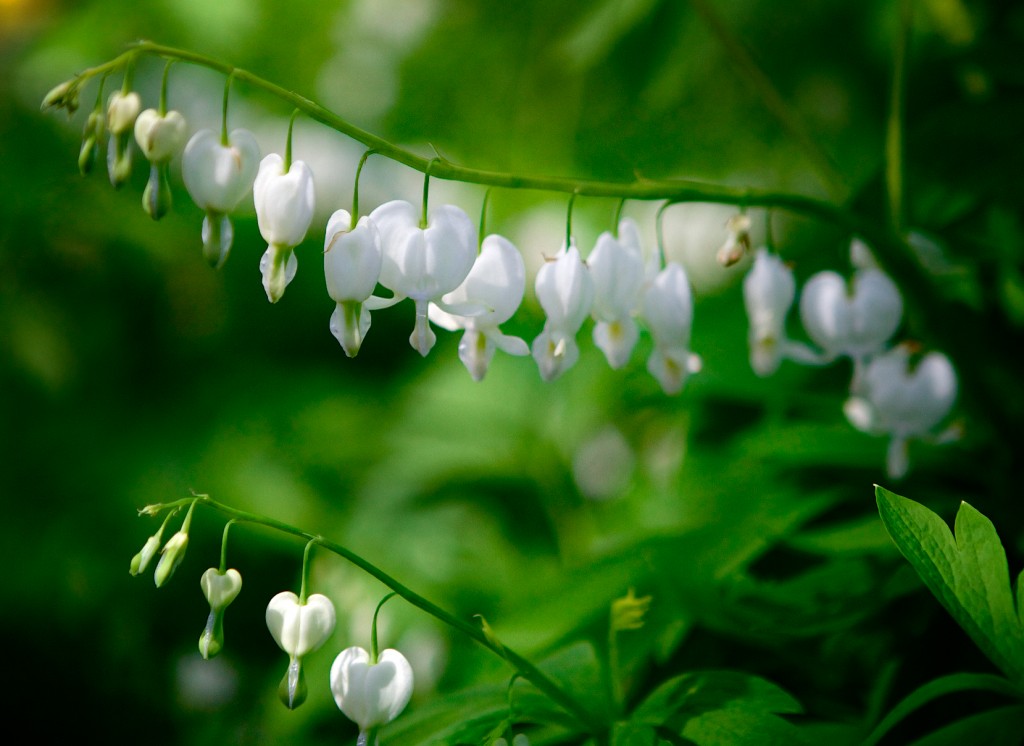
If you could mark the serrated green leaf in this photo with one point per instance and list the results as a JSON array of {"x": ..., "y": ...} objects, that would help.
[
  {"x": 946, "y": 685},
  {"x": 693, "y": 694},
  {"x": 968, "y": 574},
  {"x": 999, "y": 727}
]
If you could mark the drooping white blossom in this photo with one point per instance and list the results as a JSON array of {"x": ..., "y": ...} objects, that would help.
[
  {"x": 769, "y": 290},
  {"x": 371, "y": 694},
  {"x": 424, "y": 262},
  {"x": 668, "y": 311},
  {"x": 496, "y": 282},
  {"x": 298, "y": 629},
  {"x": 854, "y": 319},
  {"x": 352, "y": 264},
  {"x": 617, "y": 268},
  {"x": 122, "y": 110},
  {"x": 220, "y": 589},
  {"x": 904, "y": 402},
  {"x": 160, "y": 137},
  {"x": 284, "y": 200},
  {"x": 217, "y": 177},
  {"x": 565, "y": 291}
]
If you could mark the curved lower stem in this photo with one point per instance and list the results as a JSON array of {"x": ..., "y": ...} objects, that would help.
[{"x": 523, "y": 667}]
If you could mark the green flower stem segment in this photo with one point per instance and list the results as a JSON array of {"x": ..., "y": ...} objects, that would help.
[
  {"x": 288, "y": 144},
  {"x": 305, "y": 570},
  {"x": 373, "y": 628},
  {"x": 568, "y": 220},
  {"x": 224, "y": 109},
  {"x": 355, "y": 190},
  {"x": 224, "y": 545},
  {"x": 163, "y": 88},
  {"x": 524, "y": 667}
]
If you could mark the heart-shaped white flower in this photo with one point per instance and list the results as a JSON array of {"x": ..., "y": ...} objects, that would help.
[
  {"x": 855, "y": 320},
  {"x": 371, "y": 694},
  {"x": 617, "y": 268},
  {"x": 219, "y": 176},
  {"x": 160, "y": 137},
  {"x": 220, "y": 588},
  {"x": 565, "y": 290},
  {"x": 668, "y": 311},
  {"x": 297, "y": 628}
]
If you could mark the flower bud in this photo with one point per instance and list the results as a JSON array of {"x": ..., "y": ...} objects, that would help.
[
  {"x": 170, "y": 557},
  {"x": 156, "y": 197},
  {"x": 62, "y": 96},
  {"x": 141, "y": 560},
  {"x": 371, "y": 694},
  {"x": 91, "y": 135}
]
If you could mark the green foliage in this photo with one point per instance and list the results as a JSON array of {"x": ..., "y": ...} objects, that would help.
[{"x": 967, "y": 573}]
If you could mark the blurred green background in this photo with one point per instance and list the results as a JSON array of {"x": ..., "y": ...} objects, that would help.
[{"x": 131, "y": 372}]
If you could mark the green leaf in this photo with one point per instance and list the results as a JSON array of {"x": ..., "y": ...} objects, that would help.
[
  {"x": 721, "y": 707},
  {"x": 968, "y": 575},
  {"x": 999, "y": 727},
  {"x": 946, "y": 685},
  {"x": 734, "y": 726}
]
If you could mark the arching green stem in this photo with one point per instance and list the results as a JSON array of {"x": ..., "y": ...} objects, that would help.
[{"x": 591, "y": 722}]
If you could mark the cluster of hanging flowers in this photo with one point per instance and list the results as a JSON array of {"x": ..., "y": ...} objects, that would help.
[
  {"x": 458, "y": 281},
  {"x": 436, "y": 258},
  {"x": 370, "y": 688},
  {"x": 895, "y": 391}
]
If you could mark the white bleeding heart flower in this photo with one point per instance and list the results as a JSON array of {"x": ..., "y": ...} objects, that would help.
[
  {"x": 424, "y": 262},
  {"x": 122, "y": 110},
  {"x": 298, "y": 629},
  {"x": 352, "y": 263},
  {"x": 284, "y": 200},
  {"x": 668, "y": 311},
  {"x": 855, "y": 319},
  {"x": 220, "y": 589},
  {"x": 904, "y": 403},
  {"x": 217, "y": 177},
  {"x": 768, "y": 293},
  {"x": 497, "y": 282},
  {"x": 617, "y": 268},
  {"x": 160, "y": 137},
  {"x": 565, "y": 291},
  {"x": 371, "y": 694}
]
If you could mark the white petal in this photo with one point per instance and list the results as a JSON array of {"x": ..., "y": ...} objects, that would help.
[
  {"x": 371, "y": 695},
  {"x": 555, "y": 352},
  {"x": 284, "y": 201},
  {"x": 300, "y": 629},
  {"x": 616, "y": 339},
  {"x": 618, "y": 274},
  {"x": 216, "y": 176},
  {"x": 565, "y": 291},
  {"x": 352, "y": 260},
  {"x": 220, "y": 588},
  {"x": 768, "y": 293}
]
